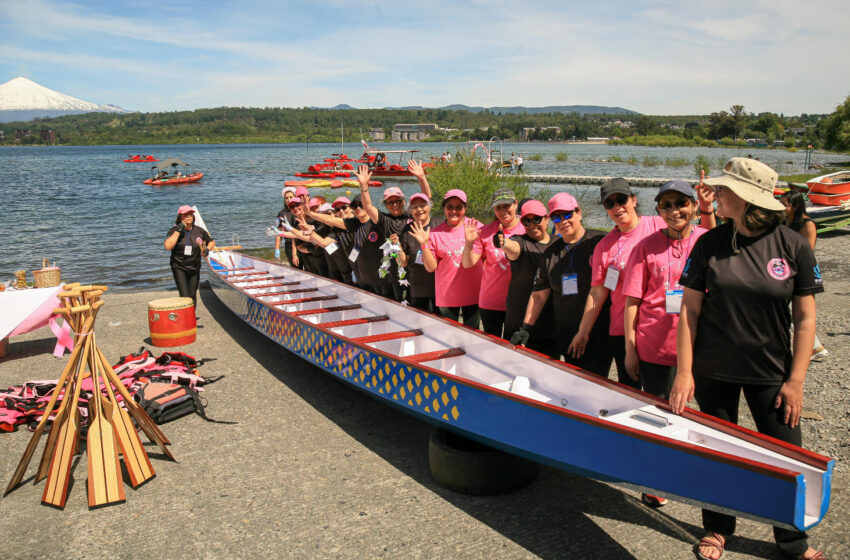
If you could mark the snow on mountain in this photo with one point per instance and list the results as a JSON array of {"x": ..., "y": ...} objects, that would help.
[{"x": 23, "y": 99}]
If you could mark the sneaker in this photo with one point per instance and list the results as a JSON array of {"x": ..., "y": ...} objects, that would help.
[
  {"x": 653, "y": 501},
  {"x": 819, "y": 354}
]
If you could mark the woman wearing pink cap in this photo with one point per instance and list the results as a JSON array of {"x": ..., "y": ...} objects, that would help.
[
  {"x": 564, "y": 279},
  {"x": 525, "y": 253},
  {"x": 187, "y": 242},
  {"x": 391, "y": 223},
  {"x": 484, "y": 244},
  {"x": 284, "y": 216},
  {"x": 422, "y": 290},
  {"x": 455, "y": 287}
]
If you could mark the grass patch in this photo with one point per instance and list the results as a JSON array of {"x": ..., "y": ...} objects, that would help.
[
  {"x": 650, "y": 161},
  {"x": 676, "y": 162},
  {"x": 561, "y": 156},
  {"x": 535, "y": 157},
  {"x": 803, "y": 177}
]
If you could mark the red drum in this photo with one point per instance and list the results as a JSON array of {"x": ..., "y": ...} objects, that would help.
[{"x": 172, "y": 321}]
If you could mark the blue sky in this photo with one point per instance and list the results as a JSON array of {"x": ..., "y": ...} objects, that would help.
[{"x": 655, "y": 57}]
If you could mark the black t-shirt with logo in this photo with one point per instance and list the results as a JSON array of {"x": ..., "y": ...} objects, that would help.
[
  {"x": 368, "y": 241},
  {"x": 421, "y": 281},
  {"x": 181, "y": 260},
  {"x": 388, "y": 225},
  {"x": 575, "y": 258},
  {"x": 523, "y": 272},
  {"x": 743, "y": 332}
]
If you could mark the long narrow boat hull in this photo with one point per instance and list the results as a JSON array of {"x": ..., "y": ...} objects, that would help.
[
  {"x": 519, "y": 401},
  {"x": 193, "y": 178}
]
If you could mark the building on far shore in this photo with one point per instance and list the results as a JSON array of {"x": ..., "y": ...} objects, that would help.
[
  {"x": 413, "y": 132},
  {"x": 377, "y": 134},
  {"x": 47, "y": 136}
]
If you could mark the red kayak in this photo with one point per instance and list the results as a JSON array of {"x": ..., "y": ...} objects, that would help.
[
  {"x": 140, "y": 159},
  {"x": 193, "y": 178}
]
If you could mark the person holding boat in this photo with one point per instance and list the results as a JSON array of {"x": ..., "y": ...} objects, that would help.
[
  {"x": 484, "y": 245},
  {"x": 564, "y": 278},
  {"x": 734, "y": 325},
  {"x": 187, "y": 242},
  {"x": 421, "y": 281},
  {"x": 455, "y": 287},
  {"x": 392, "y": 222},
  {"x": 525, "y": 253},
  {"x": 797, "y": 219}
]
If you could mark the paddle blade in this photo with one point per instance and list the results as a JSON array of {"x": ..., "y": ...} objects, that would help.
[
  {"x": 104, "y": 481},
  {"x": 59, "y": 472},
  {"x": 136, "y": 460}
]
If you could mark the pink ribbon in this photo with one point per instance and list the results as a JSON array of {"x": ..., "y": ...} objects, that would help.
[{"x": 64, "y": 341}]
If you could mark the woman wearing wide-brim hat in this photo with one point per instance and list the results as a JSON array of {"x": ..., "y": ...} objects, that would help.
[
  {"x": 734, "y": 325},
  {"x": 187, "y": 242}
]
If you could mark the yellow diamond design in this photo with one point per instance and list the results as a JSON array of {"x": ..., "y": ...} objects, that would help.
[
  {"x": 410, "y": 385},
  {"x": 445, "y": 399},
  {"x": 436, "y": 405},
  {"x": 401, "y": 374},
  {"x": 445, "y": 416},
  {"x": 435, "y": 385},
  {"x": 418, "y": 398},
  {"x": 418, "y": 380},
  {"x": 427, "y": 392},
  {"x": 395, "y": 380},
  {"x": 402, "y": 392},
  {"x": 387, "y": 386},
  {"x": 455, "y": 413},
  {"x": 454, "y": 392}
]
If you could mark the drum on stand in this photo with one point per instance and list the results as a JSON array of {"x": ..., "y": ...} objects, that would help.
[{"x": 172, "y": 321}]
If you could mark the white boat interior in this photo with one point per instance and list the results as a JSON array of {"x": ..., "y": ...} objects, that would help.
[{"x": 419, "y": 337}]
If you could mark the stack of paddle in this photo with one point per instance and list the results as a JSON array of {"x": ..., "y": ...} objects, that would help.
[{"x": 110, "y": 428}]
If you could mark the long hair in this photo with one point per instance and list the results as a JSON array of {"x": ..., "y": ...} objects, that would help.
[
  {"x": 757, "y": 218},
  {"x": 798, "y": 214}
]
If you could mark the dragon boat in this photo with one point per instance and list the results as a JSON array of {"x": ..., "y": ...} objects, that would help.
[{"x": 521, "y": 402}]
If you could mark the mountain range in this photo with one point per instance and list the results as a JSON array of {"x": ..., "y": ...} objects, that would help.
[{"x": 22, "y": 99}]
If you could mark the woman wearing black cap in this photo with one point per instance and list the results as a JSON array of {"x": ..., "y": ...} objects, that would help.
[
  {"x": 734, "y": 325},
  {"x": 187, "y": 242}
]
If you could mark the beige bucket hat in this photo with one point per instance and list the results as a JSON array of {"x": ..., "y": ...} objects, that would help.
[{"x": 751, "y": 180}]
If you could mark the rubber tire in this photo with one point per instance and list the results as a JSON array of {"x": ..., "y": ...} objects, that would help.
[{"x": 468, "y": 467}]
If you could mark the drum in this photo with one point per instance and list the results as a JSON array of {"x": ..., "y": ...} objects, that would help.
[{"x": 172, "y": 321}]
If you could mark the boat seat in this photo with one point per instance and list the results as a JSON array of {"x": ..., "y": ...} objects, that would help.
[
  {"x": 436, "y": 355},
  {"x": 387, "y": 336},
  {"x": 357, "y": 321},
  {"x": 305, "y": 300},
  {"x": 283, "y": 293},
  {"x": 252, "y": 278},
  {"x": 235, "y": 269},
  {"x": 263, "y": 286},
  {"x": 320, "y": 310},
  {"x": 240, "y": 274}
]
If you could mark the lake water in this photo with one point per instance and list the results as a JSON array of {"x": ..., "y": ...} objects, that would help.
[{"x": 88, "y": 211}]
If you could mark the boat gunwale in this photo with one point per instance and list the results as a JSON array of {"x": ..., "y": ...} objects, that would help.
[{"x": 805, "y": 456}]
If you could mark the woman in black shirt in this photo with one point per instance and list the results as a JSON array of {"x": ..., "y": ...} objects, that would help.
[
  {"x": 738, "y": 282},
  {"x": 187, "y": 242}
]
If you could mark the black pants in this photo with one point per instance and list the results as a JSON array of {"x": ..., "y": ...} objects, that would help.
[
  {"x": 423, "y": 303},
  {"x": 617, "y": 345},
  {"x": 471, "y": 317},
  {"x": 547, "y": 346},
  {"x": 657, "y": 379},
  {"x": 493, "y": 322},
  {"x": 597, "y": 355},
  {"x": 720, "y": 399},
  {"x": 187, "y": 283}
]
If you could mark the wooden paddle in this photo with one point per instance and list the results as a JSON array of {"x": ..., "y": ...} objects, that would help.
[
  {"x": 39, "y": 430},
  {"x": 104, "y": 481},
  {"x": 135, "y": 458},
  {"x": 59, "y": 472},
  {"x": 137, "y": 412}
]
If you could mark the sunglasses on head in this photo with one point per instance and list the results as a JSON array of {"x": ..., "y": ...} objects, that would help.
[
  {"x": 559, "y": 217},
  {"x": 532, "y": 220},
  {"x": 677, "y": 204},
  {"x": 610, "y": 202}
]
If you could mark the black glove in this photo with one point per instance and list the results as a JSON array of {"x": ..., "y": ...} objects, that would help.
[
  {"x": 521, "y": 336},
  {"x": 498, "y": 240},
  {"x": 181, "y": 227}
]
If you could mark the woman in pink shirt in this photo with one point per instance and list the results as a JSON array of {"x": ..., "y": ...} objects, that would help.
[
  {"x": 455, "y": 287},
  {"x": 652, "y": 290},
  {"x": 485, "y": 244}
]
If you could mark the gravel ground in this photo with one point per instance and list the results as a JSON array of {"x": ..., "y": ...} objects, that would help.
[{"x": 315, "y": 468}]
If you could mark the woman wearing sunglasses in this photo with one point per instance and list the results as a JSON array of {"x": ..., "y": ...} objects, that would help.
[
  {"x": 455, "y": 287},
  {"x": 564, "y": 279},
  {"x": 734, "y": 325},
  {"x": 421, "y": 281},
  {"x": 484, "y": 244},
  {"x": 525, "y": 253}
]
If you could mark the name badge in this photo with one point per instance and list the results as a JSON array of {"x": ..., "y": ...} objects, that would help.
[
  {"x": 569, "y": 284},
  {"x": 331, "y": 249},
  {"x": 418, "y": 259},
  {"x": 187, "y": 250},
  {"x": 352, "y": 256},
  {"x": 611, "y": 278},
  {"x": 673, "y": 300}
]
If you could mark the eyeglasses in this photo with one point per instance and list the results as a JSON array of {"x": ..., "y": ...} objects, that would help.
[
  {"x": 610, "y": 202},
  {"x": 558, "y": 218},
  {"x": 394, "y": 201},
  {"x": 678, "y": 204},
  {"x": 533, "y": 220},
  {"x": 355, "y": 206}
]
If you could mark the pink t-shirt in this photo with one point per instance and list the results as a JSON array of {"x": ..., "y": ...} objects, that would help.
[
  {"x": 613, "y": 251},
  {"x": 454, "y": 286},
  {"x": 656, "y": 263},
  {"x": 497, "y": 267}
]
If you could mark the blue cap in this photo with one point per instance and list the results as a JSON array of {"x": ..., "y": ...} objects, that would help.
[{"x": 676, "y": 185}]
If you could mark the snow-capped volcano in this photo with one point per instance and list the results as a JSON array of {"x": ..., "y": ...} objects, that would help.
[{"x": 22, "y": 99}]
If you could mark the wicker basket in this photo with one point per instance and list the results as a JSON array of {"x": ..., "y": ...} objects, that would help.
[{"x": 48, "y": 276}]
